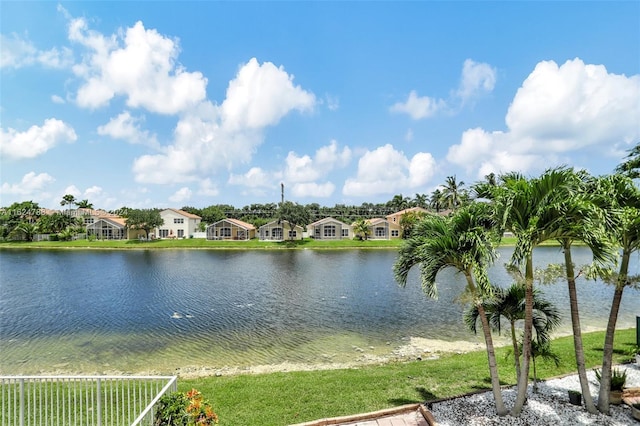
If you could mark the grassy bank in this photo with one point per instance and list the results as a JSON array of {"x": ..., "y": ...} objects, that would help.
[
  {"x": 200, "y": 243},
  {"x": 286, "y": 398}
]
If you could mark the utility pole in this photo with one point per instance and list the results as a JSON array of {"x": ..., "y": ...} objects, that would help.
[{"x": 281, "y": 193}]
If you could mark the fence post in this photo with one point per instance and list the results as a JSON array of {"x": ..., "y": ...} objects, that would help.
[
  {"x": 21, "y": 402},
  {"x": 99, "y": 392}
]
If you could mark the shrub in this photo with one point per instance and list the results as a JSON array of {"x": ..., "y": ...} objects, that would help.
[
  {"x": 185, "y": 409},
  {"x": 618, "y": 379}
]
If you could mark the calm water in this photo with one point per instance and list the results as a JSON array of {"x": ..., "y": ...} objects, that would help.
[{"x": 94, "y": 311}]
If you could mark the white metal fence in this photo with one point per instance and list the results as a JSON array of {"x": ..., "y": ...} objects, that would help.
[{"x": 81, "y": 400}]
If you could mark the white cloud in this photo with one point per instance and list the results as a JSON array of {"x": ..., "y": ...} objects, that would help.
[
  {"x": 181, "y": 195},
  {"x": 127, "y": 127},
  {"x": 333, "y": 102},
  {"x": 17, "y": 53},
  {"x": 138, "y": 64},
  {"x": 93, "y": 191},
  {"x": 386, "y": 171},
  {"x": 31, "y": 183},
  {"x": 35, "y": 141},
  {"x": 306, "y": 169},
  {"x": 477, "y": 79},
  {"x": 313, "y": 190},
  {"x": 254, "y": 178},
  {"x": 210, "y": 139},
  {"x": 418, "y": 106},
  {"x": 260, "y": 96},
  {"x": 57, "y": 99},
  {"x": 208, "y": 188},
  {"x": 557, "y": 111}
]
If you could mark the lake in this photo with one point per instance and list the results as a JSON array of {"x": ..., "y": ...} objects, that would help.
[{"x": 159, "y": 310}]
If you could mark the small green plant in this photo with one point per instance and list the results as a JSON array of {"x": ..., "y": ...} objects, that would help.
[
  {"x": 185, "y": 409},
  {"x": 575, "y": 392},
  {"x": 618, "y": 379}
]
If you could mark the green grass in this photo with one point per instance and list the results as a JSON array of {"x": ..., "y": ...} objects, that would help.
[
  {"x": 286, "y": 398},
  {"x": 201, "y": 243}
]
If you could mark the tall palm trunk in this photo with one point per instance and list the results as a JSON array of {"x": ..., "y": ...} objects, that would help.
[
  {"x": 491, "y": 353},
  {"x": 523, "y": 380},
  {"x": 577, "y": 333},
  {"x": 607, "y": 358},
  {"x": 516, "y": 349}
]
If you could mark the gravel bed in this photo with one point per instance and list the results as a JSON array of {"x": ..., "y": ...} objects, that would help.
[{"x": 549, "y": 406}]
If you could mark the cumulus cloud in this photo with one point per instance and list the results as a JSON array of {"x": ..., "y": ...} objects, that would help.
[
  {"x": 17, "y": 53},
  {"x": 181, "y": 195},
  {"x": 211, "y": 138},
  {"x": 254, "y": 178},
  {"x": 139, "y": 64},
  {"x": 386, "y": 170},
  {"x": 307, "y": 169},
  {"x": 557, "y": 111},
  {"x": 36, "y": 140},
  {"x": 31, "y": 183},
  {"x": 418, "y": 107},
  {"x": 127, "y": 127},
  {"x": 477, "y": 79},
  {"x": 208, "y": 188},
  {"x": 260, "y": 96},
  {"x": 313, "y": 190}
]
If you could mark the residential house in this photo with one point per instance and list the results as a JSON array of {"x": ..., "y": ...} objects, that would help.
[
  {"x": 279, "y": 231},
  {"x": 395, "y": 220},
  {"x": 112, "y": 228},
  {"x": 378, "y": 229},
  {"x": 329, "y": 229},
  {"x": 177, "y": 224},
  {"x": 231, "y": 229}
]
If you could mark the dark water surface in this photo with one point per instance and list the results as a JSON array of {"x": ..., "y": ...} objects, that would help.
[{"x": 158, "y": 310}]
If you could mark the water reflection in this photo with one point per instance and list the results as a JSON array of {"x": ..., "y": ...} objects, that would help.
[{"x": 133, "y": 310}]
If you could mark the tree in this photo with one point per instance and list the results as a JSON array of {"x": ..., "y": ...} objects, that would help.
[
  {"x": 408, "y": 220},
  {"x": 84, "y": 204},
  {"x": 509, "y": 304},
  {"x": 453, "y": 193},
  {"x": 211, "y": 214},
  {"x": 421, "y": 200},
  {"x": 361, "y": 229},
  {"x": 398, "y": 202},
  {"x": 463, "y": 242},
  {"x": 620, "y": 199},
  {"x": 631, "y": 167},
  {"x": 527, "y": 208},
  {"x": 146, "y": 219},
  {"x": 24, "y": 230},
  {"x": 437, "y": 200},
  {"x": 295, "y": 214},
  {"x": 69, "y": 200}
]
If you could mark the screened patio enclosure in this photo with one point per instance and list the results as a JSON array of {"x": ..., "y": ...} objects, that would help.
[
  {"x": 231, "y": 229},
  {"x": 105, "y": 229}
]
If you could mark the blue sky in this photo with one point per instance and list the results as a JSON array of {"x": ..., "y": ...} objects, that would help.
[{"x": 166, "y": 104}]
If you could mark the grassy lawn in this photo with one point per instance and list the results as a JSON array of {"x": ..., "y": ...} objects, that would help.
[
  {"x": 286, "y": 398},
  {"x": 201, "y": 243}
]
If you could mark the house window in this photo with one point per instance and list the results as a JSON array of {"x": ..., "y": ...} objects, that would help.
[
  {"x": 329, "y": 231},
  {"x": 266, "y": 232},
  {"x": 180, "y": 233},
  {"x": 88, "y": 220},
  {"x": 276, "y": 233},
  {"x": 225, "y": 232},
  {"x": 317, "y": 232},
  {"x": 178, "y": 220},
  {"x": 164, "y": 233},
  {"x": 345, "y": 232},
  {"x": 380, "y": 232},
  {"x": 292, "y": 234},
  {"x": 395, "y": 233}
]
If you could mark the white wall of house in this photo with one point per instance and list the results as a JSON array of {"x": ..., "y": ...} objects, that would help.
[{"x": 177, "y": 225}]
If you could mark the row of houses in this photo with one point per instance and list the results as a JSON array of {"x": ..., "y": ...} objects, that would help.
[{"x": 181, "y": 224}]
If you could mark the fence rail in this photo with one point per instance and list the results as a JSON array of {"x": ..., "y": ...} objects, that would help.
[{"x": 81, "y": 400}]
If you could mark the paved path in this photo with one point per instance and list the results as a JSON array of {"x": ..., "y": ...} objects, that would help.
[{"x": 408, "y": 415}]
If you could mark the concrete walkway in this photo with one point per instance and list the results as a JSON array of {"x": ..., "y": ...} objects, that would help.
[{"x": 406, "y": 415}]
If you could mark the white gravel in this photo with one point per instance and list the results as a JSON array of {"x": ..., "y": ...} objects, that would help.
[{"x": 549, "y": 406}]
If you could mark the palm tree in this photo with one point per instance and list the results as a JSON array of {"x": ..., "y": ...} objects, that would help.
[
  {"x": 509, "y": 304},
  {"x": 453, "y": 192},
  {"x": 25, "y": 230},
  {"x": 85, "y": 204},
  {"x": 527, "y": 208},
  {"x": 631, "y": 167},
  {"x": 361, "y": 228},
  {"x": 620, "y": 199},
  {"x": 421, "y": 200},
  {"x": 463, "y": 242},
  {"x": 542, "y": 350},
  {"x": 437, "y": 200},
  {"x": 68, "y": 199}
]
